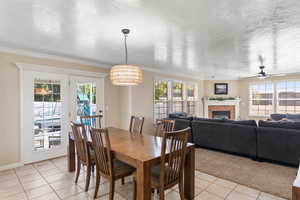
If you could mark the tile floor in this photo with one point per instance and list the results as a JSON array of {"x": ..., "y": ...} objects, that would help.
[{"x": 50, "y": 180}]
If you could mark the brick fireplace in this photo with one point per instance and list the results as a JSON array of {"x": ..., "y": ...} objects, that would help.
[{"x": 222, "y": 109}]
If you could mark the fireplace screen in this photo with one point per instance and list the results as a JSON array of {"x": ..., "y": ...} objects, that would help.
[{"x": 221, "y": 114}]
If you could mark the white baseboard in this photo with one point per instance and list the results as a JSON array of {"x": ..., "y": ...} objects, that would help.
[{"x": 11, "y": 166}]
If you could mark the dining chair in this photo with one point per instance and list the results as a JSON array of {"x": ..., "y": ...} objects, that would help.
[
  {"x": 83, "y": 151},
  {"x": 90, "y": 121},
  {"x": 107, "y": 166},
  {"x": 170, "y": 170},
  {"x": 164, "y": 125},
  {"x": 136, "y": 124}
]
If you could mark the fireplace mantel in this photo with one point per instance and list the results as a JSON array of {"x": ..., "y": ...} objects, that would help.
[{"x": 235, "y": 102}]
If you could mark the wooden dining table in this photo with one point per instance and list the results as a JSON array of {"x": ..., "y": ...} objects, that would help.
[{"x": 142, "y": 152}]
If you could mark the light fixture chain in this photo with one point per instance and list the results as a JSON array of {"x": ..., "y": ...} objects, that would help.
[{"x": 126, "y": 51}]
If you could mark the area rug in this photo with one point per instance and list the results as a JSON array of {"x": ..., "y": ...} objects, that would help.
[{"x": 264, "y": 176}]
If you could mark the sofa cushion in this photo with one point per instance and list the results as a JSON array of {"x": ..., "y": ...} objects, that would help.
[
  {"x": 245, "y": 122},
  {"x": 179, "y": 115},
  {"x": 280, "y": 124},
  {"x": 293, "y": 117},
  {"x": 277, "y": 117},
  {"x": 208, "y": 119}
]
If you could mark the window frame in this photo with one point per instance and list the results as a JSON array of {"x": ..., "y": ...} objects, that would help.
[
  {"x": 277, "y": 94},
  {"x": 275, "y": 99},
  {"x": 170, "y": 95}
]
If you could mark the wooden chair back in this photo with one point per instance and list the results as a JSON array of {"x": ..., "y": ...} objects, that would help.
[
  {"x": 136, "y": 124},
  {"x": 93, "y": 121},
  {"x": 173, "y": 153},
  {"x": 165, "y": 125},
  {"x": 101, "y": 146},
  {"x": 82, "y": 149}
]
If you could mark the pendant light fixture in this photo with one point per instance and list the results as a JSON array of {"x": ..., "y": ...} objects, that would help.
[{"x": 126, "y": 75}]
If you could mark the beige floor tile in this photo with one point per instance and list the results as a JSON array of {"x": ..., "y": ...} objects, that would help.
[
  {"x": 7, "y": 177},
  {"x": 20, "y": 196},
  {"x": 206, "y": 177},
  {"x": 37, "y": 192},
  {"x": 57, "y": 177},
  {"x": 202, "y": 183},
  {"x": 239, "y": 196},
  {"x": 266, "y": 196},
  {"x": 225, "y": 183},
  {"x": 246, "y": 190},
  {"x": 50, "y": 196},
  {"x": 103, "y": 190},
  {"x": 26, "y": 172},
  {"x": 219, "y": 190},
  {"x": 62, "y": 184},
  {"x": 80, "y": 196},
  {"x": 69, "y": 191},
  {"x": 173, "y": 195},
  {"x": 9, "y": 191},
  {"x": 9, "y": 183},
  {"x": 34, "y": 184},
  {"x": 30, "y": 178},
  {"x": 207, "y": 196},
  {"x": 50, "y": 172},
  {"x": 116, "y": 197}
]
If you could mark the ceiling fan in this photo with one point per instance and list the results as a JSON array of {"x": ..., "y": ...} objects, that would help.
[{"x": 262, "y": 74}]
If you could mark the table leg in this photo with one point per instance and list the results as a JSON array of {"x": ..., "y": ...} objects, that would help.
[
  {"x": 71, "y": 155},
  {"x": 189, "y": 174},
  {"x": 143, "y": 181}
]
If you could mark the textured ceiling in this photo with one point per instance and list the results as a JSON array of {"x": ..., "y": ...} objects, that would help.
[{"x": 199, "y": 38}]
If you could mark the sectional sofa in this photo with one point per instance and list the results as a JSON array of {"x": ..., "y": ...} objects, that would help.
[{"x": 270, "y": 141}]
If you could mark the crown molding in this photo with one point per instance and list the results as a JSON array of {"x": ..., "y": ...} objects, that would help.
[
  {"x": 49, "y": 55},
  {"x": 60, "y": 70}
]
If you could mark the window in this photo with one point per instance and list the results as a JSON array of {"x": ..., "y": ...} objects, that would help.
[
  {"x": 177, "y": 94},
  {"x": 161, "y": 99},
  {"x": 261, "y": 99},
  {"x": 288, "y": 96},
  {"x": 174, "y": 96},
  {"x": 191, "y": 99},
  {"x": 285, "y": 94}
]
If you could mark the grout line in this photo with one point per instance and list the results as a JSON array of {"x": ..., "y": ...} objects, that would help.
[
  {"x": 20, "y": 183},
  {"x": 47, "y": 182}
]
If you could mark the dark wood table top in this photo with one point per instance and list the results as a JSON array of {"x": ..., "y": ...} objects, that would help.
[{"x": 134, "y": 145}]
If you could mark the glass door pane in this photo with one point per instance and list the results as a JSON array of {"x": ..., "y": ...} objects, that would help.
[
  {"x": 47, "y": 108},
  {"x": 86, "y": 100}
]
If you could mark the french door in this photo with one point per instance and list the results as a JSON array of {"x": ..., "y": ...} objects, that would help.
[
  {"x": 49, "y": 102},
  {"x": 45, "y": 115},
  {"x": 86, "y": 97}
]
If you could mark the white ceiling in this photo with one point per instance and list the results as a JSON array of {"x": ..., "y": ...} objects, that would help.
[{"x": 197, "y": 38}]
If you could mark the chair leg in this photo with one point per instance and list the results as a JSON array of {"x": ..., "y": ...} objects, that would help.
[
  {"x": 161, "y": 194},
  {"x": 77, "y": 170},
  {"x": 98, "y": 178},
  {"x": 123, "y": 181},
  {"x": 111, "y": 189},
  {"x": 134, "y": 189},
  {"x": 181, "y": 191},
  {"x": 88, "y": 176}
]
